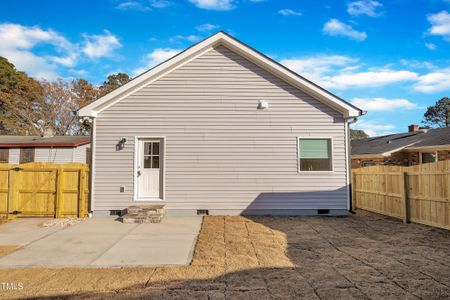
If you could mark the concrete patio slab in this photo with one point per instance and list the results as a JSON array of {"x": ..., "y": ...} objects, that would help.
[{"x": 101, "y": 242}]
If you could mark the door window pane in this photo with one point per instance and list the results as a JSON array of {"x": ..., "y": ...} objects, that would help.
[
  {"x": 155, "y": 149},
  {"x": 147, "y": 162},
  {"x": 155, "y": 162},
  {"x": 315, "y": 154},
  {"x": 147, "y": 149}
]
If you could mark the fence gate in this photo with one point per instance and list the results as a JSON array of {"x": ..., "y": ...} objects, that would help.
[{"x": 44, "y": 189}]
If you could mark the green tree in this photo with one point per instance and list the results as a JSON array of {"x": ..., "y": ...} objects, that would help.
[
  {"x": 113, "y": 82},
  {"x": 356, "y": 134},
  {"x": 19, "y": 97},
  {"x": 438, "y": 115}
]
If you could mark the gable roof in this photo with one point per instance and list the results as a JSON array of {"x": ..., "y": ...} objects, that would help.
[
  {"x": 11, "y": 141},
  {"x": 385, "y": 145},
  {"x": 220, "y": 38}
]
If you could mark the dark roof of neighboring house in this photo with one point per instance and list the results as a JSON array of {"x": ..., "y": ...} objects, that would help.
[
  {"x": 10, "y": 141},
  {"x": 393, "y": 142}
]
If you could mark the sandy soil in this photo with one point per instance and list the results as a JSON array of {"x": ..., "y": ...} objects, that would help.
[{"x": 364, "y": 256}]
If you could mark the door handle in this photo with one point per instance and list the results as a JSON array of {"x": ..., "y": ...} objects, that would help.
[{"x": 139, "y": 173}]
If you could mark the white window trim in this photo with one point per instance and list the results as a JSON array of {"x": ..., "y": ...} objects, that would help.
[
  {"x": 435, "y": 153},
  {"x": 313, "y": 138},
  {"x": 135, "y": 168}
]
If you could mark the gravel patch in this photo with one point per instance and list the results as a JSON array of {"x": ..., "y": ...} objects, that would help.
[{"x": 62, "y": 222}]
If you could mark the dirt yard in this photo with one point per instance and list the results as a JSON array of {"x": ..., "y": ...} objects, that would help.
[{"x": 364, "y": 256}]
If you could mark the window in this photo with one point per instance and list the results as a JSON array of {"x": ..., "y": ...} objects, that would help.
[
  {"x": 315, "y": 154},
  {"x": 151, "y": 155},
  {"x": 26, "y": 155},
  {"x": 4, "y": 156},
  {"x": 428, "y": 157},
  {"x": 368, "y": 163}
]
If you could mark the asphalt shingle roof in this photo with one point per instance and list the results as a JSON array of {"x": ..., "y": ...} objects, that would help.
[{"x": 388, "y": 143}]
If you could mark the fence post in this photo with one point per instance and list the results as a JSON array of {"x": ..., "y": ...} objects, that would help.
[
  {"x": 405, "y": 198},
  {"x": 353, "y": 190},
  {"x": 59, "y": 191},
  {"x": 81, "y": 197},
  {"x": 11, "y": 192}
]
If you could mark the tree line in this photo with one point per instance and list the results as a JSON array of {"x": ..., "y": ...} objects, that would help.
[{"x": 29, "y": 106}]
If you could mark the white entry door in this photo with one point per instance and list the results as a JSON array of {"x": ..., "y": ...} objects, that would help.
[{"x": 149, "y": 170}]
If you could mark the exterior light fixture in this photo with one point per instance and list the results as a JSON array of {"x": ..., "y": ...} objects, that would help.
[{"x": 263, "y": 104}]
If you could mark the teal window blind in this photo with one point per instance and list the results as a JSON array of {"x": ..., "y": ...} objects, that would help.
[{"x": 315, "y": 148}]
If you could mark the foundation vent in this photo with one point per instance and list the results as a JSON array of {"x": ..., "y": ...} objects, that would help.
[
  {"x": 323, "y": 211},
  {"x": 202, "y": 212}
]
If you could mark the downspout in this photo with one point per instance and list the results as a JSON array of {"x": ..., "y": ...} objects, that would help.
[
  {"x": 349, "y": 121},
  {"x": 91, "y": 120},
  {"x": 92, "y": 166}
]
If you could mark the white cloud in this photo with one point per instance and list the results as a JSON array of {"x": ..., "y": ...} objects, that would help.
[
  {"x": 133, "y": 5},
  {"x": 335, "y": 27},
  {"x": 289, "y": 12},
  {"x": 343, "y": 72},
  {"x": 214, "y": 4},
  {"x": 383, "y": 104},
  {"x": 206, "y": 27},
  {"x": 374, "y": 128},
  {"x": 364, "y": 7},
  {"x": 101, "y": 45},
  {"x": 17, "y": 42},
  {"x": 369, "y": 78},
  {"x": 190, "y": 38},
  {"x": 436, "y": 81},
  {"x": 143, "y": 6},
  {"x": 160, "y": 3},
  {"x": 314, "y": 68},
  {"x": 417, "y": 64},
  {"x": 440, "y": 24},
  {"x": 154, "y": 58},
  {"x": 430, "y": 46}
]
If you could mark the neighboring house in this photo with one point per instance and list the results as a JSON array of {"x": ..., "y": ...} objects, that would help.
[
  {"x": 221, "y": 129},
  {"x": 57, "y": 149},
  {"x": 414, "y": 147}
]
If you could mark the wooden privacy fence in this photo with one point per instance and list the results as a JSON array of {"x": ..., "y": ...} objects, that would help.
[
  {"x": 420, "y": 194},
  {"x": 44, "y": 189}
]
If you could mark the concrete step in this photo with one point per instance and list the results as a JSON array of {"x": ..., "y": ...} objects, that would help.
[
  {"x": 146, "y": 208},
  {"x": 144, "y": 214}
]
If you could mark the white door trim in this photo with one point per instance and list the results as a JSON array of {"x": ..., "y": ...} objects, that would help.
[{"x": 135, "y": 168}]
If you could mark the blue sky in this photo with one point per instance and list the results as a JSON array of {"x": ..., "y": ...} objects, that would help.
[{"x": 391, "y": 58}]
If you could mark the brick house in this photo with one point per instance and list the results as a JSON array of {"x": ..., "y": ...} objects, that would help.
[{"x": 414, "y": 147}]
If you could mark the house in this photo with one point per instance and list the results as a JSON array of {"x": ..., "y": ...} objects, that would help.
[
  {"x": 417, "y": 146},
  {"x": 221, "y": 128},
  {"x": 56, "y": 149}
]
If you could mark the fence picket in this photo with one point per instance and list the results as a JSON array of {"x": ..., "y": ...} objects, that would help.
[{"x": 419, "y": 194}]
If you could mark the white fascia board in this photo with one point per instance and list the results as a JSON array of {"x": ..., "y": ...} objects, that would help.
[{"x": 93, "y": 109}]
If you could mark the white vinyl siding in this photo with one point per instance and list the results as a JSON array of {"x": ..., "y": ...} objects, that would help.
[
  {"x": 221, "y": 151},
  {"x": 55, "y": 155}
]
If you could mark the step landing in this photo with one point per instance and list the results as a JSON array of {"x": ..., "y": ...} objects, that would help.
[{"x": 143, "y": 214}]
